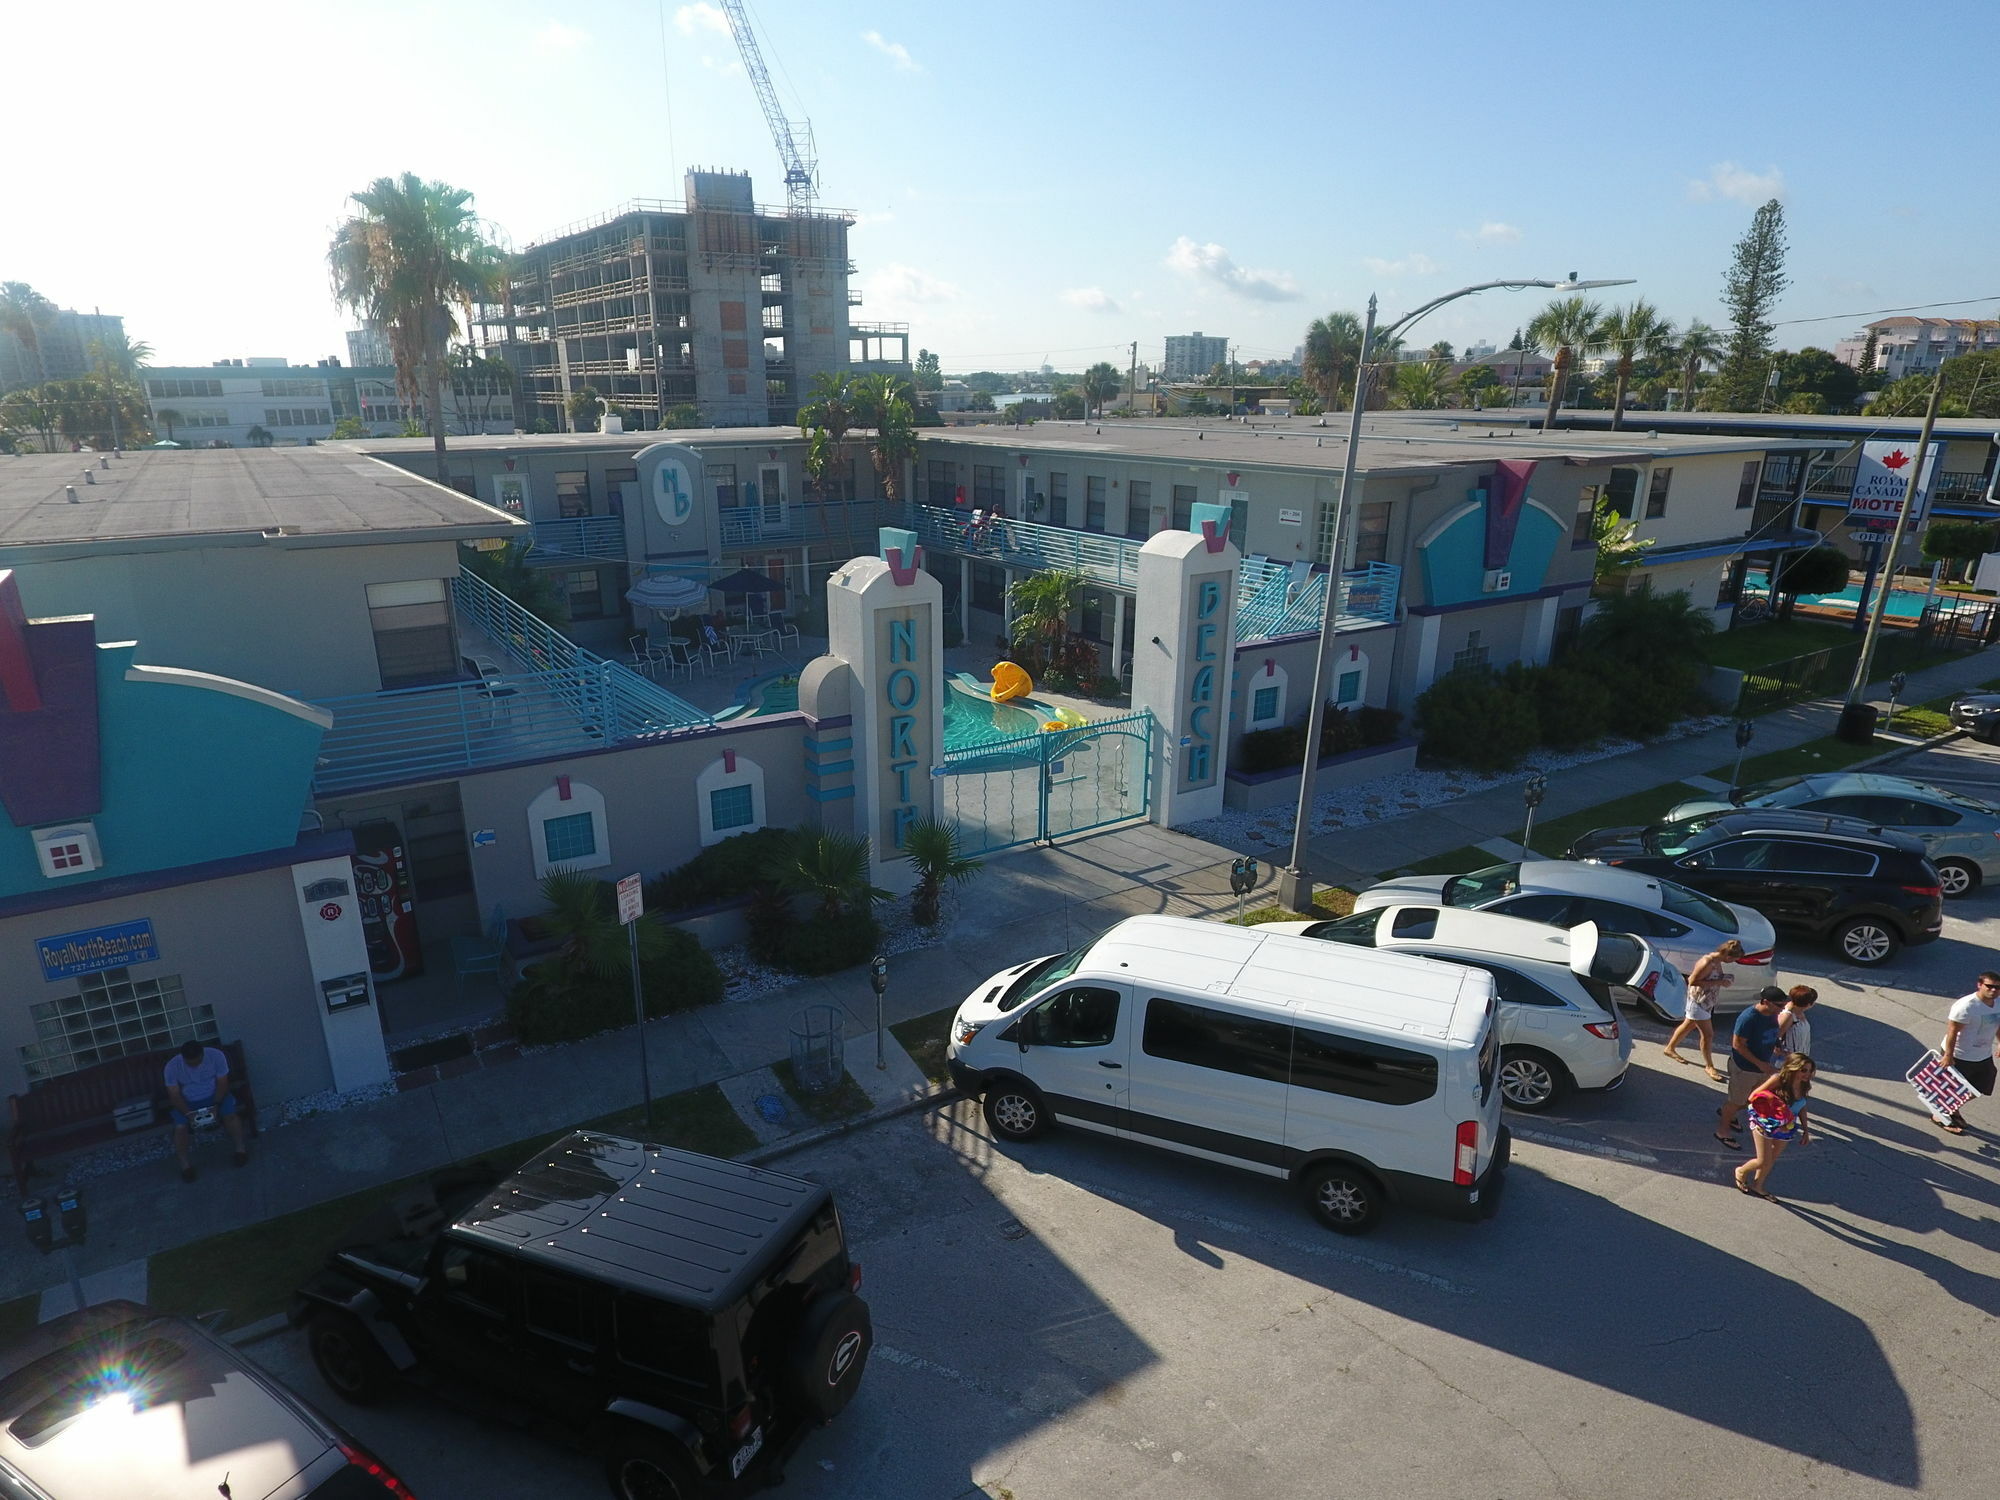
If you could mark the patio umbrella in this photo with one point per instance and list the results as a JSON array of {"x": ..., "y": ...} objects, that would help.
[
  {"x": 165, "y": 443},
  {"x": 667, "y": 591},
  {"x": 746, "y": 581}
]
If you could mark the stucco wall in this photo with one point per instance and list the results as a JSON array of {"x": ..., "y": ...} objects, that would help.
[{"x": 1701, "y": 500}]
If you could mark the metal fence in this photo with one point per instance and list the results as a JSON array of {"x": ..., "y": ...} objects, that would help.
[
  {"x": 1819, "y": 674},
  {"x": 1037, "y": 788}
]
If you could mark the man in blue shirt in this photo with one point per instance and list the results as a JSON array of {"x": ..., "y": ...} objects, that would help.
[{"x": 1752, "y": 1058}]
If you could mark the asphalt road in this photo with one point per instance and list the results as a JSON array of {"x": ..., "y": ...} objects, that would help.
[{"x": 1081, "y": 1319}]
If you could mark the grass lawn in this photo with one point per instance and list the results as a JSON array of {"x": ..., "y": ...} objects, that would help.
[
  {"x": 1759, "y": 645},
  {"x": 1451, "y": 862},
  {"x": 923, "y": 1037},
  {"x": 1823, "y": 754},
  {"x": 252, "y": 1272},
  {"x": 841, "y": 1102},
  {"x": 18, "y": 1318},
  {"x": 1557, "y": 834},
  {"x": 1331, "y": 901}
]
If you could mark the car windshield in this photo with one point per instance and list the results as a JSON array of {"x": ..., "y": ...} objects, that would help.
[
  {"x": 1692, "y": 906},
  {"x": 1766, "y": 793},
  {"x": 1675, "y": 839},
  {"x": 1482, "y": 886},
  {"x": 1358, "y": 929},
  {"x": 1047, "y": 971}
]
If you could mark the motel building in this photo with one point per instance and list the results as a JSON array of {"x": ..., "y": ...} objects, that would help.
[{"x": 275, "y": 763}]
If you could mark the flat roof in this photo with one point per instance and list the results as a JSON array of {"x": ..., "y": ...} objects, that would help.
[
  {"x": 153, "y": 499},
  {"x": 610, "y": 442},
  {"x": 1783, "y": 424}
]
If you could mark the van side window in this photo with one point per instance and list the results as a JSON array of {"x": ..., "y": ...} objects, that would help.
[
  {"x": 1336, "y": 1064},
  {"x": 1218, "y": 1039},
  {"x": 1085, "y": 1016}
]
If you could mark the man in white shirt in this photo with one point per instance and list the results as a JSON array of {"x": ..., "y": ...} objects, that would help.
[
  {"x": 1969, "y": 1033},
  {"x": 197, "y": 1078}
]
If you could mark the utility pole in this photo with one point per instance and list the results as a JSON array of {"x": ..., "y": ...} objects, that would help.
[
  {"x": 1857, "y": 718},
  {"x": 1132, "y": 380}
]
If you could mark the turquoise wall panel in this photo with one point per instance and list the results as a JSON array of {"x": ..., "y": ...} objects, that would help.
[{"x": 1454, "y": 560}]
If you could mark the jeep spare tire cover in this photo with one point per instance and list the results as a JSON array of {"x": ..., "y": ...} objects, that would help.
[{"x": 832, "y": 1348}]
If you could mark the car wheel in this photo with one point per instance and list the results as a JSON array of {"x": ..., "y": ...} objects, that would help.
[
  {"x": 348, "y": 1358},
  {"x": 1866, "y": 941},
  {"x": 1957, "y": 877},
  {"x": 643, "y": 1466},
  {"x": 1530, "y": 1081},
  {"x": 1015, "y": 1111},
  {"x": 1344, "y": 1198}
]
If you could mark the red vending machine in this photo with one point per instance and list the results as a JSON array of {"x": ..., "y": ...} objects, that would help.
[{"x": 388, "y": 901}]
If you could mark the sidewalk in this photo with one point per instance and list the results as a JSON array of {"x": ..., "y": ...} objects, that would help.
[{"x": 1020, "y": 905}]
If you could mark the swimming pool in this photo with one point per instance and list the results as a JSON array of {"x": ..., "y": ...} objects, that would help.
[
  {"x": 969, "y": 718},
  {"x": 1904, "y": 604}
]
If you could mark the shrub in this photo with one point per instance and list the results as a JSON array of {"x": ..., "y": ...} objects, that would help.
[
  {"x": 768, "y": 917},
  {"x": 721, "y": 872},
  {"x": 1572, "y": 703},
  {"x": 1641, "y": 706},
  {"x": 825, "y": 944},
  {"x": 558, "y": 1002},
  {"x": 1471, "y": 718},
  {"x": 1280, "y": 749},
  {"x": 1108, "y": 687},
  {"x": 1379, "y": 726}
]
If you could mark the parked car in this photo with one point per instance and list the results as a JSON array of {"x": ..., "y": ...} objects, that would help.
[
  {"x": 1558, "y": 990},
  {"x": 119, "y": 1400},
  {"x": 1866, "y": 890},
  {"x": 1681, "y": 923},
  {"x": 687, "y": 1319},
  {"x": 1978, "y": 714},
  {"x": 1961, "y": 834},
  {"x": 1360, "y": 1078}
]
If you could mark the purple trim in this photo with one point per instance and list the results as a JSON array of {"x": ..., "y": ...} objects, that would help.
[
  {"x": 1504, "y": 500},
  {"x": 837, "y": 721},
  {"x": 49, "y": 755},
  {"x": 1487, "y": 600},
  {"x": 326, "y": 844}
]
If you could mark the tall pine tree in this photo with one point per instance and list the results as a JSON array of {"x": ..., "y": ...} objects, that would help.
[{"x": 1750, "y": 290}]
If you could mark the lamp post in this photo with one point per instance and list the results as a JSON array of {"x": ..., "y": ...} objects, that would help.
[
  {"x": 1533, "y": 790},
  {"x": 1295, "y": 885}
]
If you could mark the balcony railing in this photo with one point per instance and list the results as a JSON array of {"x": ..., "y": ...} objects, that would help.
[
  {"x": 1268, "y": 607},
  {"x": 742, "y": 524},
  {"x": 580, "y": 538},
  {"x": 1028, "y": 546}
]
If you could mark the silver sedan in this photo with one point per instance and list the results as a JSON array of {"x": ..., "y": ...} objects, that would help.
[{"x": 1960, "y": 834}]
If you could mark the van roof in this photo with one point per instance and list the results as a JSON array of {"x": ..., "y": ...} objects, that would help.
[{"x": 1392, "y": 994}]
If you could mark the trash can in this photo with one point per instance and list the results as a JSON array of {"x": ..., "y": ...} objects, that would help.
[
  {"x": 819, "y": 1048},
  {"x": 1857, "y": 723}
]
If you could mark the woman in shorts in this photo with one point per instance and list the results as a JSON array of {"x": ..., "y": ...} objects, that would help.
[
  {"x": 1776, "y": 1120},
  {"x": 1706, "y": 981}
]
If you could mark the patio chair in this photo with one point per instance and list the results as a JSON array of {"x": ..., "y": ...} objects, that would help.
[
  {"x": 713, "y": 646},
  {"x": 495, "y": 689},
  {"x": 644, "y": 657},
  {"x": 481, "y": 954},
  {"x": 788, "y": 633},
  {"x": 684, "y": 656}
]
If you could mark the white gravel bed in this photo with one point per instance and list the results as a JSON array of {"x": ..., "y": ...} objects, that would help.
[
  {"x": 332, "y": 1100},
  {"x": 1366, "y": 802}
]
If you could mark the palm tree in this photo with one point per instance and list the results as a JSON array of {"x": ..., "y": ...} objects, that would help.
[
  {"x": 26, "y": 313},
  {"x": 1041, "y": 605},
  {"x": 1635, "y": 332},
  {"x": 259, "y": 437},
  {"x": 1333, "y": 348},
  {"x": 168, "y": 416},
  {"x": 411, "y": 260},
  {"x": 887, "y": 405},
  {"x": 1698, "y": 345},
  {"x": 932, "y": 846},
  {"x": 825, "y": 419},
  {"x": 1419, "y": 385},
  {"x": 1100, "y": 383},
  {"x": 119, "y": 355},
  {"x": 832, "y": 867},
  {"x": 508, "y": 570},
  {"x": 1565, "y": 326}
]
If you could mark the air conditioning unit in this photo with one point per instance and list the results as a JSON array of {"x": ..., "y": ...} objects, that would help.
[{"x": 1498, "y": 580}]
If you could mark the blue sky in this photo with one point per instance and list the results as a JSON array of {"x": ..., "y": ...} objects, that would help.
[{"x": 1032, "y": 178}]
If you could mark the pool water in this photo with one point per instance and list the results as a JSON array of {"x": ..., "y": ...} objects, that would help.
[
  {"x": 974, "y": 721},
  {"x": 1904, "y": 604}
]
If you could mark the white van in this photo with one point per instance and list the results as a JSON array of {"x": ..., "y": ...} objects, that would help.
[{"x": 1364, "y": 1077}]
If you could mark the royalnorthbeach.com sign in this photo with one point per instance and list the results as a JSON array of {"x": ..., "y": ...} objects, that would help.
[{"x": 95, "y": 948}]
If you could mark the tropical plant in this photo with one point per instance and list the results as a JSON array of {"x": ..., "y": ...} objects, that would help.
[
  {"x": 1971, "y": 389},
  {"x": 979, "y": 401},
  {"x": 1751, "y": 287},
  {"x": 1333, "y": 349},
  {"x": 167, "y": 417},
  {"x": 830, "y": 867},
  {"x": 30, "y": 409},
  {"x": 1041, "y": 605},
  {"x": 1617, "y": 541},
  {"x": 413, "y": 258},
  {"x": 1817, "y": 570},
  {"x": 346, "y": 427},
  {"x": 476, "y": 383},
  {"x": 1442, "y": 352},
  {"x": 1814, "y": 372},
  {"x": 1419, "y": 385},
  {"x": 98, "y": 411},
  {"x": 1560, "y": 330},
  {"x": 1633, "y": 332},
  {"x": 1644, "y": 630},
  {"x": 1698, "y": 344},
  {"x": 27, "y": 314},
  {"x": 1100, "y": 383},
  {"x": 1068, "y": 406},
  {"x": 259, "y": 436},
  {"x": 687, "y": 414},
  {"x": 584, "y": 407},
  {"x": 119, "y": 356},
  {"x": 509, "y": 571},
  {"x": 825, "y": 419},
  {"x": 932, "y": 847},
  {"x": 1959, "y": 541},
  {"x": 888, "y": 406}
]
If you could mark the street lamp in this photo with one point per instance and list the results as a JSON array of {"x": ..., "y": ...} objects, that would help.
[{"x": 1295, "y": 886}]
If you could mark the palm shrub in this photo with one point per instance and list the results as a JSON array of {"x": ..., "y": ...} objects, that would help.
[
  {"x": 932, "y": 845},
  {"x": 721, "y": 872},
  {"x": 586, "y": 986},
  {"x": 1473, "y": 719},
  {"x": 831, "y": 869}
]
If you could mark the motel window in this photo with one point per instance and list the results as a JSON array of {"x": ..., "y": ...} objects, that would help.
[
  {"x": 989, "y": 488},
  {"x": 1472, "y": 656},
  {"x": 732, "y": 807},
  {"x": 414, "y": 642},
  {"x": 723, "y": 478},
  {"x": 572, "y": 494},
  {"x": 1585, "y": 530},
  {"x": 1371, "y": 534},
  {"x": 1239, "y": 524},
  {"x": 1138, "y": 509},
  {"x": 1621, "y": 491},
  {"x": 1093, "y": 502},
  {"x": 1656, "y": 493},
  {"x": 573, "y": 836},
  {"x": 1059, "y": 499},
  {"x": 940, "y": 480},
  {"x": 1746, "y": 486},
  {"x": 1264, "y": 705},
  {"x": 1347, "y": 688},
  {"x": 112, "y": 1015},
  {"x": 1267, "y": 696},
  {"x": 585, "y": 591},
  {"x": 1183, "y": 507}
]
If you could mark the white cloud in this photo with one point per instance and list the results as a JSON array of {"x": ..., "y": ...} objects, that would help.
[
  {"x": 700, "y": 17},
  {"x": 1492, "y": 232},
  {"x": 896, "y": 282},
  {"x": 1211, "y": 262},
  {"x": 1726, "y": 179},
  {"x": 896, "y": 52},
  {"x": 556, "y": 37},
  {"x": 1416, "y": 263},
  {"x": 862, "y": 217},
  {"x": 1091, "y": 299}
]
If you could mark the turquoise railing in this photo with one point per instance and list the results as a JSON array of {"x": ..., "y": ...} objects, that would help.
[
  {"x": 1266, "y": 606},
  {"x": 580, "y": 537},
  {"x": 1028, "y": 546}
]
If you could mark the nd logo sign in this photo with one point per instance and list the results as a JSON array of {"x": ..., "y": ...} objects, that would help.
[{"x": 673, "y": 492}]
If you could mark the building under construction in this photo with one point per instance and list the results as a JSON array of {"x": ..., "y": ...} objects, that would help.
[{"x": 715, "y": 304}]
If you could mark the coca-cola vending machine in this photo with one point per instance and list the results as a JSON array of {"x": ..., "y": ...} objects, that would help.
[{"x": 388, "y": 901}]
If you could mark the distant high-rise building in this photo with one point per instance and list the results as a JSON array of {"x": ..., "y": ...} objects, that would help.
[
  {"x": 369, "y": 345},
  {"x": 1916, "y": 346},
  {"x": 1192, "y": 355},
  {"x": 714, "y": 303},
  {"x": 64, "y": 348}
]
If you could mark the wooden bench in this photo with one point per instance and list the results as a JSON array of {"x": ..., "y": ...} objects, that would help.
[{"x": 75, "y": 1110}]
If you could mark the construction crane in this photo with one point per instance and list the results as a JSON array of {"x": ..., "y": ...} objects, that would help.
[{"x": 794, "y": 141}]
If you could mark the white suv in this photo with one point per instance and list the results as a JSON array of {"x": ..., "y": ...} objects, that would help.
[{"x": 1558, "y": 990}]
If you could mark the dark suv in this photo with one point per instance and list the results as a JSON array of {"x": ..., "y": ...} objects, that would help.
[
  {"x": 1866, "y": 890},
  {"x": 687, "y": 1319}
]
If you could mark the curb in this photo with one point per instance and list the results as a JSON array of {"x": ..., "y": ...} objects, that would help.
[
  {"x": 263, "y": 1328},
  {"x": 1911, "y": 749},
  {"x": 804, "y": 1139}
]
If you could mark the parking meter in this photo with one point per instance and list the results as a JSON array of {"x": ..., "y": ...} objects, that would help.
[
  {"x": 69, "y": 1208},
  {"x": 1897, "y": 683},
  {"x": 41, "y": 1233},
  {"x": 1243, "y": 875},
  {"x": 1533, "y": 790},
  {"x": 1745, "y": 732},
  {"x": 878, "y": 975}
]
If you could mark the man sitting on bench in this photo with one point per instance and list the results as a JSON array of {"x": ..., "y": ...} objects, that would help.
[{"x": 198, "y": 1084}]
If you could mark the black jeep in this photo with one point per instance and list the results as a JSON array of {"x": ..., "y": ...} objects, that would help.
[{"x": 688, "y": 1319}]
